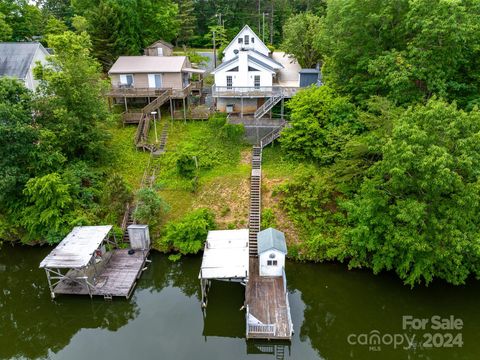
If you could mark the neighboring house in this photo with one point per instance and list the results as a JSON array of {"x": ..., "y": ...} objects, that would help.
[
  {"x": 19, "y": 59},
  {"x": 159, "y": 48},
  {"x": 272, "y": 249}
]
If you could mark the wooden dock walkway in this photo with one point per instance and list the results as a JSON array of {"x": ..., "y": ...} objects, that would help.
[
  {"x": 117, "y": 278},
  {"x": 266, "y": 298}
]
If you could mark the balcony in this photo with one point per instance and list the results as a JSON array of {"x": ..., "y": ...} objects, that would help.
[
  {"x": 253, "y": 92},
  {"x": 130, "y": 91}
]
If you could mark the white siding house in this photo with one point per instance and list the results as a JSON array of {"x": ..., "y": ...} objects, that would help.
[
  {"x": 272, "y": 249},
  {"x": 250, "y": 74}
]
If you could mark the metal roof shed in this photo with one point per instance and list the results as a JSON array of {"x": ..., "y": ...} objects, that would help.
[
  {"x": 271, "y": 239},
  {"x": 225, "y": 257}
]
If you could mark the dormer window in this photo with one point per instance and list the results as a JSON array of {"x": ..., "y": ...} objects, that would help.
[
  {"x": 247, "y": 38},
  {"x": 240, "y": 40}
]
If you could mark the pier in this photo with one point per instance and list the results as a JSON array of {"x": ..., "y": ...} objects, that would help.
[
  {"x": 255, "y": 259},
  {"x": 88, "y": 261}
]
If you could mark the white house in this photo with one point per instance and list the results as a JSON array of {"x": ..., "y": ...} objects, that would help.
[
  {"x": 18, "y": 59},
  {"x": 272, "y": 249},
  {"x": 248, "y": 76}
]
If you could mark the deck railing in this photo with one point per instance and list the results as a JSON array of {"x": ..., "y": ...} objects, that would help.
[
  {"x": 290, "y": 323},
  {"x": 258, "y": 328},
  {"x": 130, "y": 91},
  {"x": 253, "y": 91}
]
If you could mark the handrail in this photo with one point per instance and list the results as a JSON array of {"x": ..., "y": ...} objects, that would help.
[
  {"x": 261, "y": 91},
  {"x": 290, "y": 323}
]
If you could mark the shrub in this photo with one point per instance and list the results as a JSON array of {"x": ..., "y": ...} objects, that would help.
[
  {"x": 150, "y": 206},
  {"x": 268, "y": 219},
  {"x": 187, "y": 236}
]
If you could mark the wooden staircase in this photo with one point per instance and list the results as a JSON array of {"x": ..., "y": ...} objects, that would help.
[
  {"x": 255, "y": 200},
  {"x": 127, "y": 220},
  {"x": 268, "y": 105}
]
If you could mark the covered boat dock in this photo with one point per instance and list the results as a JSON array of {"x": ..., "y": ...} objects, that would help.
[{"x": 88, "y": 262}]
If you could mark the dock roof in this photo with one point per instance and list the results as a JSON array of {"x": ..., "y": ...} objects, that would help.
[
  {"x": 225, "y": 255},
  {"x": 77, "y": 248}
]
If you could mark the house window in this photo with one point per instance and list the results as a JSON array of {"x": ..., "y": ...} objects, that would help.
[
  {"x": 240, "y": 40},
  {"x": 253, "y": 39},
  {"x": 126, "y": 80},
  {"x": 155, "y": 81},
  {"x": 252, "y": 69},
  {"x": 256, "y": 81},
  {"x": 229, "y": 82},
  {"x": 271, "y": 262},
  {"x": 247, "y": 38}
]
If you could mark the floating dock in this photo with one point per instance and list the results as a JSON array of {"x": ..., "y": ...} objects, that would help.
[{"x": 89, "y": 262}]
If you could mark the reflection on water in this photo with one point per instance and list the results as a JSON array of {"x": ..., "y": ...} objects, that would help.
[{"x": 164, "y": 319}]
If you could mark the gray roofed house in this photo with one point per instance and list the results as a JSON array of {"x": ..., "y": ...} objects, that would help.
[
  {"x": 18, "y": 59},
  {"x": 271, "y": 239}
]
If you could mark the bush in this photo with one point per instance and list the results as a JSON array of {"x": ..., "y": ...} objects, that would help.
[
  {"x": 268, "y": 219},
  {"x": 186, "y": 166},
  {"x": 188, "y": 235},
  {"x": 150, "y": 206}
]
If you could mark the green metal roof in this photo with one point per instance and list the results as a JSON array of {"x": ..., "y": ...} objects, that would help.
[{"x": 271, "y": 239}]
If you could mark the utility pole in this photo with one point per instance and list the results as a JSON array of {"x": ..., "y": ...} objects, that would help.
[
  {"x": 263, "y": 26},
  {"x": 214, "y": 51},
  {"x": 271, "y": 25},
  {"x": 258, "y": 1}
]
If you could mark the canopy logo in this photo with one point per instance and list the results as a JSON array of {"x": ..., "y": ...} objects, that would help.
[{"x": 413, "y": 337}]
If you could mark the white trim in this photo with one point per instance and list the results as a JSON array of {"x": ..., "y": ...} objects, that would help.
[{"x": 257, "y": 40}]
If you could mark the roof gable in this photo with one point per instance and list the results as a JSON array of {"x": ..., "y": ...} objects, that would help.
[
  {"x": 241, "y": 33},
  {"x": 161, "y": 42},
  {"x": 17, "y": 58},
  {"x": 271, "y": 239},
  {"x": 226, "y": 65}
]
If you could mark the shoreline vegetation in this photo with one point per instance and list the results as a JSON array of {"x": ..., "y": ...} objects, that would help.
[{"x": 378, "y": 168}]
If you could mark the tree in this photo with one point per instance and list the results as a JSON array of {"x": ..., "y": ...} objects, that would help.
[
  {"x": 46, "y": 215},
  {"x": 417, "y": 212},
  {"x": 73, "y": 102},
  {"x": 186, "y": 19},
  {"x": 5, "y": 29},
  {"x": 300, "y": 34},
  {"x": 150, "y": 206},
  {"x": 25, "y": 20},
  {"x": 321, "y": 123}
]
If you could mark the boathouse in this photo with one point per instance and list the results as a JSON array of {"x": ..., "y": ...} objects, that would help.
[
  {"x": 225, "y": 258},
  {"x": 88, "y": 261},
  {"x": 272, "y": 249}
]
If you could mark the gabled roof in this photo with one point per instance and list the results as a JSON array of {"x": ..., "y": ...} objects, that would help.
[
  {"x": 271, "y": 239},
  {"x": 225, "y": 64},
  {"x": 148, "y": 64},
  {"x": 261, "y": 64},
  {"x": 17, "y": 57},
  {"x": 77, "y": 248},
  {"x": 234, "y": 40},
  {"x": 267, "y": 59},
  {"x": 162, "y": 42}
]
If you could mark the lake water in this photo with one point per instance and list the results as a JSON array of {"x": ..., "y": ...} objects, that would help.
[{"x": 331, "y": 309}]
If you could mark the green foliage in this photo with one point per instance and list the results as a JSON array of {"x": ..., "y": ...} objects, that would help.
[
  {"x": 73, "y": 104},
  {"x": 417, "y": 211},
  {"x": 226, "y": 131},
  {"x": 187, "y": 20},
  {"x": 405, "y": 50},
  {"x": 48, "y": 208},
  {"x": 300, "y": 34},
  {"x": 150, "y": 207},
  {"x": 268, "y": 219},
  {"x": 186, "y": 166},
  {"x": 117, "y": 193},
  {"x": 188, "y": 235},
  {"x": 322, "y": 122}
]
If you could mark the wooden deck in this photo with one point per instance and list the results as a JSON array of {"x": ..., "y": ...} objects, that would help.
[
  {"x": 117, "y": 278},
  {"x": 266, "y": 300}
]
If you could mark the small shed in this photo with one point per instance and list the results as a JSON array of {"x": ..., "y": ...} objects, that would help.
[
  {"x": 310, "y": 77},
  {"x": 272, "y": 249},
  {"x": 139, "y": 237},
  {"x": 159, "y": 48}
]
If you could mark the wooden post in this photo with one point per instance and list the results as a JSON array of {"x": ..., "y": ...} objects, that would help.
[
  {"x": 52, "y": 294},
  {"x": 171, "y": 108},
  {"x": 125, "y": 100},
  {"x": 241, "y": 111},
  {"x": 184, "y": 111},
  {"x": 282, "y": 107}
]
